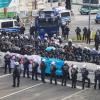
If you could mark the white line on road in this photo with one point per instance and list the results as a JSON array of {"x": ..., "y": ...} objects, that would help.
[
  {"x": 47, "y": 80},
  {"x": 6, "y": 96},
  {"x": 2, "y": 76},
  {"x": 68, "y": 85},
  {"x": 65, "y": 98}
]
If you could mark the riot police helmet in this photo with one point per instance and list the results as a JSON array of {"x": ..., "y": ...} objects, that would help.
[
  {"x": 16, "y": 63},
  {"x": 75, "y": 66},
  {"x": 45, "y": 39},
  {"x": 54, "y": 35},
  {"x": 38, "y": 37},
  {"x": 53, "y": 63},
  {"x": 59, "y": 37},
  {"x": 18, "y": 55},
  {"x": 8, "y": 53},
  {"x": 26, "y": 56},
  {"x": 98, "y": 68},
  {"x": 43, "y": 60},
  {"x": 46, "y": 35},
  {"x": 65, "y": 62},
  {"x": 70, "y": 40},
  {"x": 84, "y": 66}
]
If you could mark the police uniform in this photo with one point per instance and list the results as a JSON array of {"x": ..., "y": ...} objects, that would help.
[
  {"x": 35, "y": 66},
  {"x": 16, "y": 74},
  {"x": 7, "y": 62},
  {"x": 26, "y": 67},
  {"x": 97, "y": 78},
  {"x": 65, "y": 73},
  {"x": 78, "y": 30},
  {"x": 74, "y": 73},
  {"x": 53, "y": 73},
  {"x": 43, "y": 68},
  {"x": 85, "y": 73}
]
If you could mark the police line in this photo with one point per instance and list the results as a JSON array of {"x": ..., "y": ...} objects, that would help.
[{"x": 59, "y": 63}]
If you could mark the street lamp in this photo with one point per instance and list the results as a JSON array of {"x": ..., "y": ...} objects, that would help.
[
  {"x": 51, "y": 1},
  {"x": 89, "y": 14},
  {"x": 34, "y": 4}
]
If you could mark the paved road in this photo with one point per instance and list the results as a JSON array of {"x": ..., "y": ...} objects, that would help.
[{"x": 36, "y": 90}]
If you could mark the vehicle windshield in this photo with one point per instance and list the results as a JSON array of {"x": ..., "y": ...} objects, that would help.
[
  {"x": 7, "y": 24},
  {"x": 92, "y": 1},
  {"x": 65, "y": 14},
  {"x": 48, "y": 23},
  {"x": 87, "y": 7},
  {"x": 46, "y": 13}
]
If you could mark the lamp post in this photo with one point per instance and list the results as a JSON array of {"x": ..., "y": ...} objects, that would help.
[
  {"x": 59, "y": 2},
  {"x": 34, "y": 4},
  {"x": 51, "y": 1},
  {"x": 89, "y": 14}
]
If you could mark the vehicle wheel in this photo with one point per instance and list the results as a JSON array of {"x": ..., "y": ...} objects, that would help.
[
  {"x": 87, "y": 13},
  {"x": 81, "y": 13},
  {"x": 96, "y": 22}
]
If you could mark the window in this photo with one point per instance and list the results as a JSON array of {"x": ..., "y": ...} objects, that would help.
[
  {"x": 48, "y": 23},
  {"x": 92, "y": 1},
  {"x": 7, "y": 24},
  {"x": 65, "y": 14}
]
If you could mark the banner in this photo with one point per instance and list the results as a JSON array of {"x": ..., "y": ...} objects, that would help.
[
  {"x": 59, "y": 63},
  {"x": 4, "y": 3}
]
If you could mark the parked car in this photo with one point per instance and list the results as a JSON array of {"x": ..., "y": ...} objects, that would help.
[{"x": 97, "y": 20}]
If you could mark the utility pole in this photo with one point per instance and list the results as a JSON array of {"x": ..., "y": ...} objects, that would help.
[
  {"x": 35, "y": 4},
  {"x": 51, "y": 1},
  {"x": 89, "y": 14},
  {"x": 68, "y": 4},
  {"x": 59, "y": 2}
]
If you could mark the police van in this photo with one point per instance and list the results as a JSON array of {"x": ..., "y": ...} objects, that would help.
[
  {"x": 65, "y": 15},
  {"x": 9, "y": 25}
]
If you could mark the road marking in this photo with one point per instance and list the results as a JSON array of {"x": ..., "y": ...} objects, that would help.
[
  {"x": 68, "y": 85},
  {"x": 65, "y": 98},
  {"x": 2, "y": 76},
  {"x": 20, "y": 91},
  {"x": 47, "y": 80}
]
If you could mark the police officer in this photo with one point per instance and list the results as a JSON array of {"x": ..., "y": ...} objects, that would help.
[
  {"x": 78, "y": 34},
  {"x": 97, "y": 78},
  {"x": 32, "y": 30},
  {"x": 97, "y": 39},
  {"x": 26, "y": 66},
  {"x": 85, "y": 74},
  {"x": 65, "y": 73},
  {"x": 16, "y": 74},
  {"x": 74, "y": 73},
  {"x": 88, "y": 36},
  {"x": 7, "y": 62},
  {"x": 53, "y": 73},
  {"x": 43, "y": 68},
  {"x": 35, "y": 66},
  {"x": 84, "y": 33},
  {"x": 66, "y": 31},
  {"x": 22, "y": 29}
]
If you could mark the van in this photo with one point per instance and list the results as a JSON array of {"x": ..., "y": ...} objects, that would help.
[
  {"x": 97, "y": 20},
  {"x": 65, "y": 15},
  {"x": 9, "y": 25}
]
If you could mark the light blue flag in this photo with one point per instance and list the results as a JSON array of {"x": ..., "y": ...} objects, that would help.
[{"x": 4, "y": 3}]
